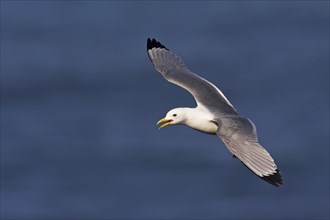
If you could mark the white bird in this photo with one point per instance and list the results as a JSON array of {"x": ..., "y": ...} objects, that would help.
[{"x": 214, "y": 114}]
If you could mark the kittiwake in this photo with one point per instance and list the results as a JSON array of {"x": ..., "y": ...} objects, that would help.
[{"x": 214, "y": 114}]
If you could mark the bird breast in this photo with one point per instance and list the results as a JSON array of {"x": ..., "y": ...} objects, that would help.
[{"x": 201, "y": 121}]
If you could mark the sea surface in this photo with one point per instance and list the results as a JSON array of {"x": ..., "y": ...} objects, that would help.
[{"x": 80, "y": 100}]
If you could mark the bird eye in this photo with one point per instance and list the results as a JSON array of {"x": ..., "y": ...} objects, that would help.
[{"x": 174, "y": 115}]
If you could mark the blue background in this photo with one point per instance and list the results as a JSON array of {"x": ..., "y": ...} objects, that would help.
[{"x": 80, "y": 99}]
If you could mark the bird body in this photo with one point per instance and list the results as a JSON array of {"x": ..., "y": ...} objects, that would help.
[
  {"x": 214, "y": 114},
  {"x": 197, "y": 118}
]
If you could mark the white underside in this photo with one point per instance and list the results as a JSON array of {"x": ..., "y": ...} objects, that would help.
[{"x": 200, "y": 118}]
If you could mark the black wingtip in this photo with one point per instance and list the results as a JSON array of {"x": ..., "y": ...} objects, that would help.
[
  {"x": 152, "y": 43},
  {"x": 274, "y": 179}
]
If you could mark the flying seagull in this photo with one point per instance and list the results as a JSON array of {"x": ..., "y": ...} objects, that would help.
[{"x": 214, "y": 114}]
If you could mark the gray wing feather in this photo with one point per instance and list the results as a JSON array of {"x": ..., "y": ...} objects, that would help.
[
  {"x": 175, "y": 71},
  {"x": 240, "y": 137}
]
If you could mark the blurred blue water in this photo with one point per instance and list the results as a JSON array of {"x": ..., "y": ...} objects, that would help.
[{"x": 80, "y": 98}]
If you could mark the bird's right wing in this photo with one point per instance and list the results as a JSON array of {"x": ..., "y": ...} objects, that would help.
[
  {"x": 240, "y": 137},
  {"x": 175, "y": 71}
]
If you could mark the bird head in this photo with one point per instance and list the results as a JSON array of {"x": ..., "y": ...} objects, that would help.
[{"x": 175, "y": 116}]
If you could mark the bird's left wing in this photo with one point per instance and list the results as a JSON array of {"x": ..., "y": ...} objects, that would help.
[{"x": 175, "y": 71}]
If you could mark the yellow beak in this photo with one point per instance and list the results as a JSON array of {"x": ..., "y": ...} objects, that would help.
[{"x": 165, "y": 121}]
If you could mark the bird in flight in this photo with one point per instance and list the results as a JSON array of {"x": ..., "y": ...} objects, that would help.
[{"x": 214, "y": 114}]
